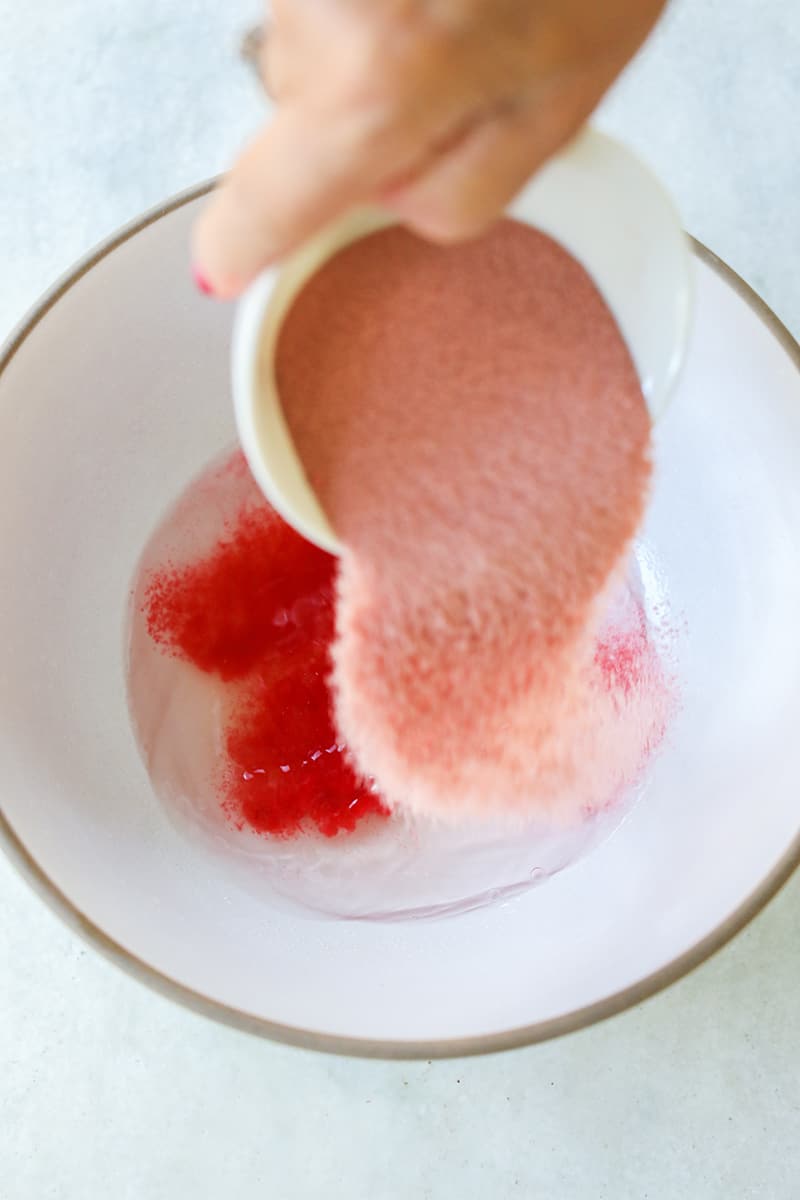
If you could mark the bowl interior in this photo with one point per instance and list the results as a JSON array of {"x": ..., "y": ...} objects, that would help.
[{"x": 114, "y": 400}]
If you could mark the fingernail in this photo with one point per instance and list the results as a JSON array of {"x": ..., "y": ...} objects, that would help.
[{"x": 201, "y": 281}]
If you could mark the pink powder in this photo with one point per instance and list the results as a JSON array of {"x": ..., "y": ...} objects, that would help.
[{"x": 473, "y": 425}]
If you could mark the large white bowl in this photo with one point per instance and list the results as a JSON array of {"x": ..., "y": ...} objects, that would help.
[{"x": 112, "y": 395}]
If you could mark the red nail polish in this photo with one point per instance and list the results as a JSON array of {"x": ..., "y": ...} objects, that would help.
[{"x": 202, "y": 282}]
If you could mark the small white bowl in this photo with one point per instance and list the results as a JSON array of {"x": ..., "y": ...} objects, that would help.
[
  {"x": 595, "y": 198},
  {"x": 113, "y": 395}
]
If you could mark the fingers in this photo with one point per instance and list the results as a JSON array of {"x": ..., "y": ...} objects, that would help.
[
  {"x": 419, "y": 119},
  {"x": 471, "y": 185},
  {"x": 295, "y": 176},
  {"x": 299, "y": 174}
]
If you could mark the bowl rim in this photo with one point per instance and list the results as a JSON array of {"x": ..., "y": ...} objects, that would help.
[{"x": 379, "y": 1048}]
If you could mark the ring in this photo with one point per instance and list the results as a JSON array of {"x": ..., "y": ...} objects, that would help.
[{"x": 251, "y": 51}]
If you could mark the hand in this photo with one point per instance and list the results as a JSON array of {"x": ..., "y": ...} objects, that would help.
[{"x": 439, "y": 110}]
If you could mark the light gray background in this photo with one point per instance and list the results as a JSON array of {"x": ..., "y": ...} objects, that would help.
[{"x": 106, "y": 107}]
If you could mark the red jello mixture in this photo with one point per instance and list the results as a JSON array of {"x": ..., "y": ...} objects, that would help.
[{"x": 256, "y": 612}]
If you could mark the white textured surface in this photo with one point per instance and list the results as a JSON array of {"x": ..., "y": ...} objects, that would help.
[{"x": 107, "y": 1090}]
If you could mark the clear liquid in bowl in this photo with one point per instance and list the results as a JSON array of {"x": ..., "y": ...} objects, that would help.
[{"x": 230, "y": 621}]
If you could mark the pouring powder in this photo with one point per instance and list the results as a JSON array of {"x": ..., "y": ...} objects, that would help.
[{"x": 473, "y": 425}]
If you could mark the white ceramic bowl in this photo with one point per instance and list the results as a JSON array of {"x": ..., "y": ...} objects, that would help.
[{"x": 112, "y": 395}]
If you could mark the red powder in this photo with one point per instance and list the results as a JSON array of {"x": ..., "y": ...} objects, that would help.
[
  {"x": 257, "y": 612},
  {"x": 624, "y": 657},
  {"x": 472, "y": 422}
]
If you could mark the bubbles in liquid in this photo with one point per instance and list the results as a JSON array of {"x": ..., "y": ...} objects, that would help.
[{"x": 231, "y": 618}]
